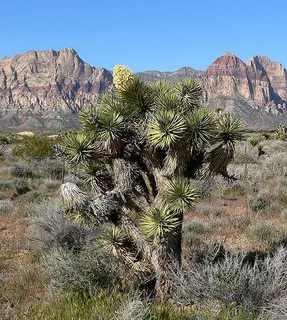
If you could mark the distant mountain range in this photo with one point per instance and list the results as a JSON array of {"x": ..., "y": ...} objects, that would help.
[{"x": 47, "y": 89}]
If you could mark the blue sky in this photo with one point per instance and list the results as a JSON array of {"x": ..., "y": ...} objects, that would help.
[{"x": 146, "y": 34}]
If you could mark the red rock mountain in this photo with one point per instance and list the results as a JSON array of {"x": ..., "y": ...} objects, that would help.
[{"x": 47, "y": 89}]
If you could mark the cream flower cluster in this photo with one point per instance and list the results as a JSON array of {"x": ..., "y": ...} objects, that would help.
[{"x": 122, "y": 75}]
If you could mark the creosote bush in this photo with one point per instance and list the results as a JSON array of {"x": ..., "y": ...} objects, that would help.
[
  {"x": 258, "y": 204},
  {"x": 34, "y": 147}
]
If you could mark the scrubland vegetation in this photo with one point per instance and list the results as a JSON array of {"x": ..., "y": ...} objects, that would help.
[{"x": 62, "y": 258}]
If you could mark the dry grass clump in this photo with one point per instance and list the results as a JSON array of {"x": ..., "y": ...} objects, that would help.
[
  {"x": 210, "y": 210},
  {"x": 6, "y": 206},
  {"x": 266, "y": 233}
]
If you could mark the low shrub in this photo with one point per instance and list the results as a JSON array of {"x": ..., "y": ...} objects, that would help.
[
  {"x": 204, "y": 187},
  {"x": 74, "y": 305},
  {"x": 258, "y": 204},
  {"x": 209, "y": 210},
  {"x": 21, "y": 170},
  {"x": 6, "y": 205},
  {"x": 6, "y": 185},
  {"x": 51, "y": 229},
  {"x": 30, "y": 197},
  {"x": 195, "y": 226},
  {"x": 266, "y": 233},
  {"x": 22, "y": 186},
  {"x": 87, "y": 271},
  {"x": 34, "y": 147},
  {"x": 53, "y": 168},
  {"x": 234, "y": 281}
]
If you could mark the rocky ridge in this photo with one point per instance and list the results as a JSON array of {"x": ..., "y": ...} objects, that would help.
[
  {"x": 255, "y": 91},
  {"x": 47, "y": 89}
]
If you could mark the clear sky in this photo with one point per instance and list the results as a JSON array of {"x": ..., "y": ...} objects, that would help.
[{"x": 147, "y": 34}]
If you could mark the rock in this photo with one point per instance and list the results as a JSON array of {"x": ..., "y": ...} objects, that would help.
[
  {"x": 43, "y": 84},
  {"x": 47, "y": 89}
]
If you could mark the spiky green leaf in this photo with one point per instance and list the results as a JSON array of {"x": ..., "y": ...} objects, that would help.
[
  {"x": 159, "y": 222},
  {"x": 166, "y": 128},
  {"x": 179, "y": 194},
  {"x": 189, "y": 92},
  {"x": 113, "y": 240},
  {"x": 201, "y": 127},
  {"x": 81, "y": 148},
  {"x": 167, "y": 101},
  {"x": 228, "y": 129},
  {"x": 97, "y": 176},
  {"x": 138, "y": 96}
]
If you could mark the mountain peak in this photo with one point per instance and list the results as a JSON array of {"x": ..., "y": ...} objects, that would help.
[
  {"x": 227, "y": 64},
  {"x": 227, "y": 53}
]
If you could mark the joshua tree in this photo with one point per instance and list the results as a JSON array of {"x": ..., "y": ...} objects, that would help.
[{"x": 138, "y": 149}]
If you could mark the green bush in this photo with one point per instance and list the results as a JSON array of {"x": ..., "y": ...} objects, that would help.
[
  {"x": 35, "y": 147},
  {"x": 258, "y": 204},
  {"x": 267, "y": 233}
]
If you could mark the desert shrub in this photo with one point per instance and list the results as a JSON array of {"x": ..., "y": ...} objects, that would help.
[
  {"x": 87, "y": 271},
  {"x": 233, "y": 280},
  {"x": 6, "y": 185},
  {"x": 274, "y": 146},
  {"x": 6, "y": 205},
  {"x": 51, "y": 229},
  {"x": 4, "y": 140},
  {"x": 52, "y": 168},
  {"x": 30, "y": 197},
  {"x": 275, "y": 165},
  {"x": 195, "y": 226},
  {"x": 192, "y": 229},
  {"x": 254, "y": 140},
  {"x": 51, "y": 184},
  {"x": 283, "y": 213},
  {"x": 245, "y": 153},
  {"x": 3, "y": 149},
  {"x": 226, "y": 189},
  {"x": 34, "y": 147},
  {"x": 258, "y": 204},
  {"x": 267, "y": 233},
  {"x": 22, "y": 186},
  {"x": 21, "y": 170},
  {"x": 209, "y": 210},
  {"x": 204, "y": 187},
  {"x": 276, "y": 311},
  {"x": 202, "y": 252}
]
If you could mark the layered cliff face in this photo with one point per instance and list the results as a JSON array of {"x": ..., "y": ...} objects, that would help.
[
  {"x": 260, "y": 83},
  {"x": 255, "y": 91},
  {"x": 41, "y": 89},
  {"x": 49, "y": 86}
]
